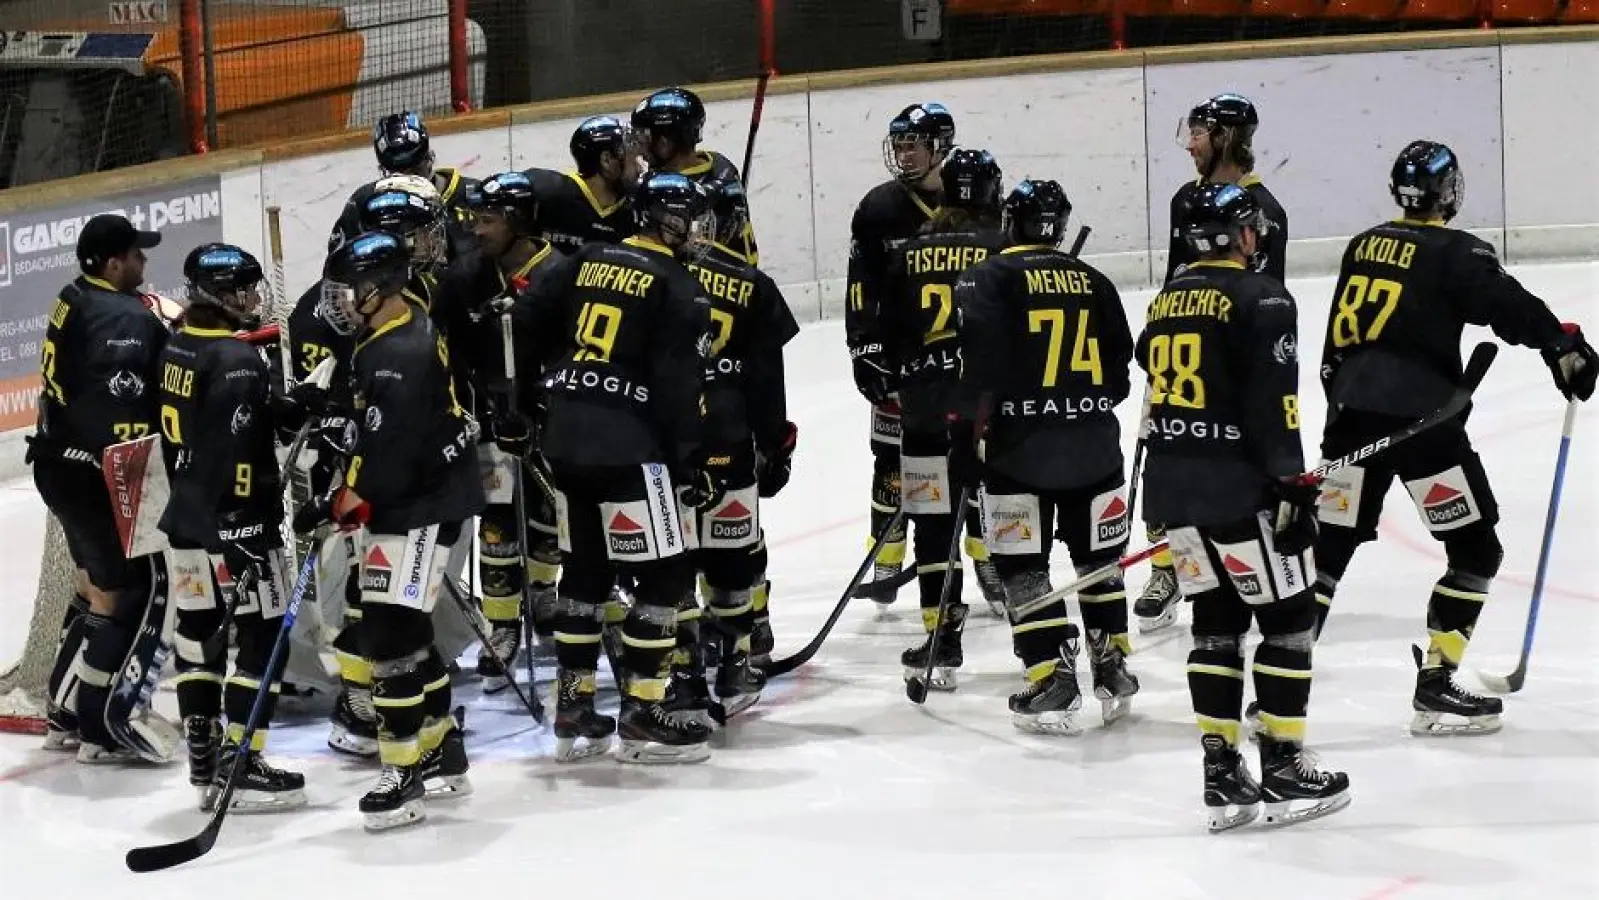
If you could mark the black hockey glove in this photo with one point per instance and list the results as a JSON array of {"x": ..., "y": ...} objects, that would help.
[
  {"x": 1573, "y": 363},
  {"x": 778, "y": 465},
  {"x": 874, "y": 377},
  {"x": 511, "y": 432},
  {"x": 701, "y": 489},
  {"x": 1293, "y": 510},
  {"x": 246, "y": 533},
  {"x": 334, "y": 433}
]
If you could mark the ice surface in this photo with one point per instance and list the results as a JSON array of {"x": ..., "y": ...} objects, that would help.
[{"x": 835, "y": 786}]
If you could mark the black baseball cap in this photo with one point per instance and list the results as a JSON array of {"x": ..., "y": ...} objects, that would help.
[{"x": 108, "y": 235}]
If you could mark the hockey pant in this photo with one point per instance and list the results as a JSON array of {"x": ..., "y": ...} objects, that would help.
[
  {"x": 625, "y": 522},
  {"x": 1450, "y": 490},
  {"x": 1022, "y": 522},
  {"x": 402, "y": 577},
  {"x": 731, "y": 558},
  {"x": 502, "y": 567},
  {"x": 203, "y": 585},
  {"x": 1234, "y": 575},
  {"x": 929, "y": 496},
  {"x": 885, "y": 482}
]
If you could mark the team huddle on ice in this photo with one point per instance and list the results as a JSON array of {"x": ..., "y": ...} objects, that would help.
[{"x": 587, "y": 368}]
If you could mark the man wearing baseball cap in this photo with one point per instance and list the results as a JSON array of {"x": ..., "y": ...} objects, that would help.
[{"x": 99, "y": 374}]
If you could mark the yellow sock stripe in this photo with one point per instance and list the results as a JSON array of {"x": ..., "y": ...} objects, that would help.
[
  {"x": 543, "y": 572},
  {"x": 892, "y": 553},
  {"x": 1162, "y": 560},
  {"x": 1039, "y": 671},
  {"x": 438, "y": 684},
  {"x": 1283, "y": 728},
  {"x": 433, "y": 732},
  {"x": 1123, "y": 643},
  {"x": 396, "y": 702},
  {"x": 502, "y": 609},
  {"x": 1323, "y": 599},
  {"x": 257, "y": 740},
  {"x": 564, "y": 637},
  {"x": 878, "y": 507},
  {"x": 759, "y": 595},
  {"x": 394, "y": 752},
  {"x": 1279, "y": 671},
  {"x": 351, "y": 615},
  {"x": 1458, "y": 594},
  {"x": 688, "y": 615},
  {"x": 976, "y": 549},
  {"x": 353, "y": 668},
  {"x": 929, "y": 618},
  {"x": 653, "y": 689},
  {"x": 1450, "y": 645},
  {"x": 1112, "y": 597},
  {"x": 728, "y": 612},
  {"x": 253, "y": 684},
  {"x": 1221, "y": 671},
  {"x": 615, "y": 612},
  {"x": 190, "y": 677},
  {"x": 1024, "y": 627},
  {"x": 742, "y": 643},
  {"x": 1227, "y": 728},
  {"x": 665, "y": 643}
]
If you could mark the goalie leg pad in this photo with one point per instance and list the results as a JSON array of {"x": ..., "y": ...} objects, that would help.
[{"x": 123, "y": 659}]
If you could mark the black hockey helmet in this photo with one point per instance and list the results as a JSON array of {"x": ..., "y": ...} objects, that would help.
[
  {"x": 1426, "y": 180},
  {"x": 673, "y": 112},
  {"x": 675, "y": 206},
  {"x": 415, "y": 218},
  {"x": 401, "y": 143},
  {"x": 510, "y": 194},
  {"x": 929, "y": 124},
  {"x": 1216, "y": 216},
  {"x": 1036, "y": 213},
  {"x": 972, "y": 180},
  {"x": 225, "y": 277},
  {"x": 594, "y": 136},
  {"x": 1230, "y": 121},
  {"x": 731, "y": 207},
  {"x": 372, "y": 264}
]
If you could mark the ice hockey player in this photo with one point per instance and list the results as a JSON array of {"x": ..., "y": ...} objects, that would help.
[
  {"x": 409, "y": 208},
  {"x": 99, "y": 366},
  {"x": 917, "y": 325},
  {"x": 1392, "y": 355},
  {"x": 1224, "y": 472},
  {"x": 413, "y": 482},
  {"x": 918, "y": 140},
  {"x": 401, "y": 143},
  {"x": 1046, "y": 353},
  {"x": 1219, "y": 134},
  {"x": 226, "y": 510},
  {"x": 751, "y": 446},
  {"x": 507, "y": 258},
  {"x": 627, "y": 336},
  {"x": 668, "y": 126},
  {"x": 590, "y": 203}
]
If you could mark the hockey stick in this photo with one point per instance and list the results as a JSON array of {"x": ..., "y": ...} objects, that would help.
[
  {"x": 507, "y": 341},
  {"x": 916, "y": 688},
  {"x": 165, "y": 856},
  {"x": 755, "y": 126},
  {"x": 1082, "y": 238},
  {"x": 534, "y": 707},
  {"x": 1481, "y": 358},
  {"x": 1509, "y": 684},
  {"x": 785, "y": 666},
  {"x": 899, "y": 580}
]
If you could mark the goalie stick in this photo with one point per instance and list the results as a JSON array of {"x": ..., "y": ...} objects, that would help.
[{"x": 1509, "y": 684}]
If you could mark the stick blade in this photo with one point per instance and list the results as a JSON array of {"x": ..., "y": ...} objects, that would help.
[
  {"x": 1503, "y": 684},
  {"x": 166, "y": 856}
]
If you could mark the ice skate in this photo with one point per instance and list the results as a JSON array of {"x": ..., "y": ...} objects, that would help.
[
  {"x": 396, "y": 800},
  {"x": 203, "y": 734},
  {"x": 993, "y": 588},
  {"x": 1051, "y": 704},
  {"x": 498, "y": 656},
  {"x": 444, "y": 768},
  {"x": 945, "y": 644},
  {"x": 1443, "y": 707},
  {"x": 738, "y": 685},
  {"x": 1156, "y": 608},
  {"x": 1291, "y": 786},
  {"x": 580, "y": 732},
  {"x": 1232, "y": 797},
  {"x": 260, "y": 787},
  {"x": 1113, "y": 684},
  {"x": 762, "y": 643},
  {"x": 688, "y": 697},
  {"x": 354, "y": 722},
  {"x": 60, "y": 730},
  {"x": 650, "y": 734}
]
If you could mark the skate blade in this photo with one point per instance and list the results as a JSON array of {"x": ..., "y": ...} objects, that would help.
[
  {"x": 943, "y": 677},
  {"x": 1058, "y": 723},
  {"x": 575, "y": 749},
  {"x": 734, "y": 704},
  {"x": 1282, "y": 813},
  {"x": 652, "y": 754},
  {"x": 1159, "y": 622},
  {"x": 343, "y": 741},
  {"x": 447, "y": 787},
  {"x": 1436, "y": 724},
  {"x": 256, "y": 802},
  {"x": 1114, "y": 708},
  {"x": 1233, "y": 815},
  {"x": 412, "y": 812}
]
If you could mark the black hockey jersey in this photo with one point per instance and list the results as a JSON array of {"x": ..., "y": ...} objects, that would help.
[
  {"x": 713, "y": 165},
  {"x": 1271, "y": 258},
  {"x": 312, "y": 339},
  {"x": 918, "y": 323},
  {"x": 570, "y": 215},
  {"x": 1046, "y": 336},
  {"x": 217, "y": 435},
  {"x": 414, "y": 461},
  {"x": 1220, "y": 345},
  {"x": 98, "y": 368},
  {"x": 888, "y": 216},
  {"x": 1405, "y": 292},
  {"x": 453, "y": 190},
  {"x": 750, "y": 324},
  {"x": 625, "y": 334},
  {"x": 477, "y": 350}
]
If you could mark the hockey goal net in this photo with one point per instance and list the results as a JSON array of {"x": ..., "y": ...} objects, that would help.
[{"x": 23, "y": 683}]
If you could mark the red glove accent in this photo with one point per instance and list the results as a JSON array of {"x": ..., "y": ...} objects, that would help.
[
  {"x": 519, "y": 283},
  {"x": 349, "y": 511},
  {"x": 261, "y": 337},
  {"x": 1570, "y": 327}
]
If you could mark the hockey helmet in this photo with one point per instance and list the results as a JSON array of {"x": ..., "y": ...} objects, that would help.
[
  {"x": 731, "y": 207},
  {"x": 373, "y": 264},
  {"x": 227, "y": 278},
  {"x": 1036, "y": 212},
  {"x": 415, "y": 218},
  {"x": 972, "y": 181},
  {"x": 1229, "y": 120},
  {"x": 1426, "y": 180},
  {"x": 594, "y": 136},
  {"x": 928, "y": 125},
  {"x": 1215, "y": 217},
  {"x": 510, "y": 194},
  {"x": 676, "y": 207},
  {"x": 400, "y": 141},
  {"x": 676, "y": 113}
]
